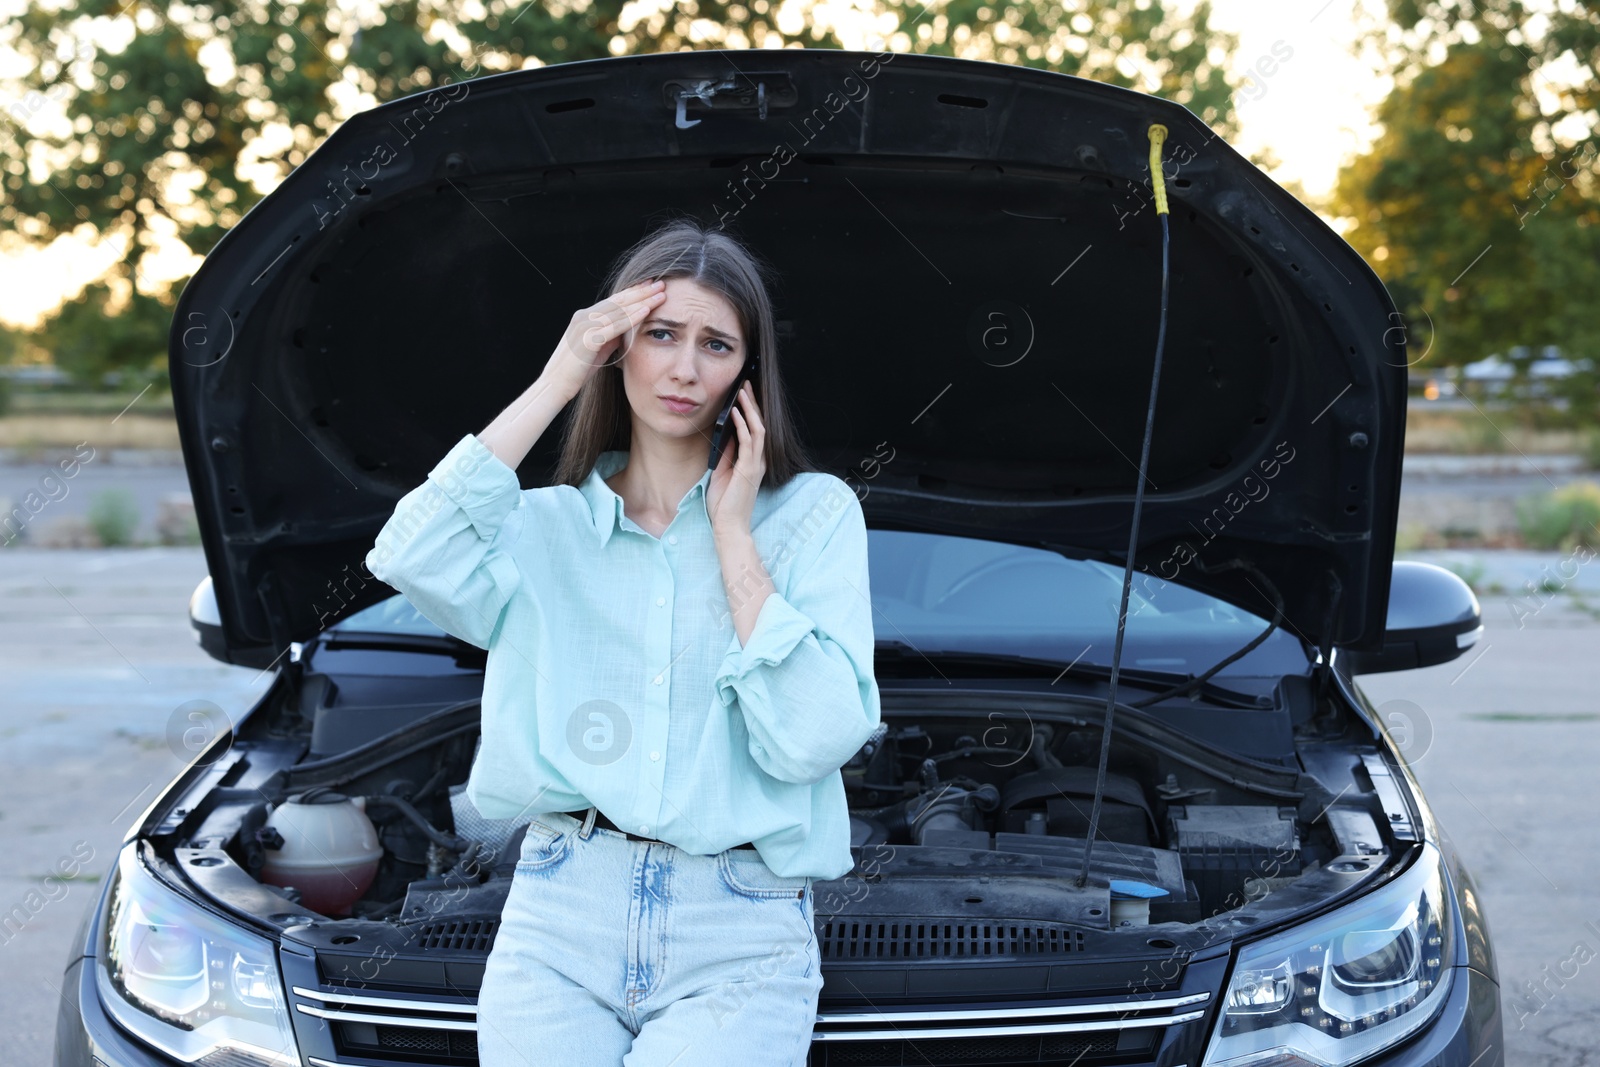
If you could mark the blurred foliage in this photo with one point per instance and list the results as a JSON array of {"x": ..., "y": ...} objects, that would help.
[
  {"x": 1581, "y": 390},
  {"x": 208, "y": 107},
  {"x": 177, "y": 525},
  {"x": 1542, "y": 34},
  {"x": 113, "y": 516},
  {"x": 90, "y": 341},
  {"x": 1564, "y": 518},
  {"x": 1478, "y": 208},
  {"x": 10, "y": 344}
]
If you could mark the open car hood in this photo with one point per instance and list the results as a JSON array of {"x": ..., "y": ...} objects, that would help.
[{"x": 971, "y": 278}]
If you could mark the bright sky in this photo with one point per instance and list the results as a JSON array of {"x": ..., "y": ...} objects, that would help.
[{"x": 1311, "y": 110}]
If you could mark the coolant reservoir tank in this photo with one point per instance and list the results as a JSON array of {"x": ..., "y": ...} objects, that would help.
[{"x": 330, "y": 849}]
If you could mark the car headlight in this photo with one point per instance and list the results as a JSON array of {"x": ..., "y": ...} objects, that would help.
[
  {"x": 187, "y": 982},
  {"x": 1344, "y": 986}
]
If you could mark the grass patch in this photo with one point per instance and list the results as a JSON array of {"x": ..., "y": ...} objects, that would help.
[
  {"x": 38, "y": 434},
  {"x": 55, "y": 402},
  {"x": 1565, "y": 518},
  {"x": 1469, "y": 433},
  {"x": 1471, "y": 573}
]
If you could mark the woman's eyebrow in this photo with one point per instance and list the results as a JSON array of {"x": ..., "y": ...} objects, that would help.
[{"x": 712, "y": 330}]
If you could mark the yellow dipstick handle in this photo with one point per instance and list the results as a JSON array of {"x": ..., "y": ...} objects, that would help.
[{"x": 1158, "y": 135}]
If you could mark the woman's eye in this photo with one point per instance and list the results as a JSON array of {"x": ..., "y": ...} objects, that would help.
[{"x": 662, "y": 329}]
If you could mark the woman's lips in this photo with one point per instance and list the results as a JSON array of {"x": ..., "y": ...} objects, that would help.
[{"x": 679, "y": 406}]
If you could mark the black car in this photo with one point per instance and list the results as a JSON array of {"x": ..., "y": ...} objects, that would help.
[{"x": 972, "y": 291}]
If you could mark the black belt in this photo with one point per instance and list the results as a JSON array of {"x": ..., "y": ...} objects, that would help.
[{"x": 601, "y": 820}]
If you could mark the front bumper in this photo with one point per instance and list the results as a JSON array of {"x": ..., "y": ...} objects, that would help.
[{"x": 1467, "y": 1032}]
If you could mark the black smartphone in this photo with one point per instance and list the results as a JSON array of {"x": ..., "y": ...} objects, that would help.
[{"x": 725, "y": 429}]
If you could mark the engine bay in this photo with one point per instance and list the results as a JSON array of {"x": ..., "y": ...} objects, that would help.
[{"x": 967, "y": 809}]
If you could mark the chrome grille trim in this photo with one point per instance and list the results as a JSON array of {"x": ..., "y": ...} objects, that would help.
[
  {"x": 403, "y": 1004},
  {"x": 924, "y": 1033},
  {"x": 1167, "y": 1004},
  {"x": 343, "y": 1016},
  {"x": 835, "y": 1027}
]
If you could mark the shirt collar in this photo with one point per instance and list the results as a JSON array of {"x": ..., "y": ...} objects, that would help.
[{"x": 606, "y": 505}]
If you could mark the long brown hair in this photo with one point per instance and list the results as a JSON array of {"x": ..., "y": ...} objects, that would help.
[{"x": 683, "y": 248}]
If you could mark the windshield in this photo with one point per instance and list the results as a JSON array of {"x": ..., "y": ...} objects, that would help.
[{"x": 937, "y": 593}]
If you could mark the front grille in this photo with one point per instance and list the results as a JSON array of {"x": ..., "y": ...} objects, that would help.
[
  {"x": 436, "y": 1044},
  {"x": 1049, "y": 1035},
  {"x": 912, "y": 938},
  {"x": 373, "y": 1026},
  {"x": 370, "y": 1027},
  {"x": 1063, "y": 1049}
]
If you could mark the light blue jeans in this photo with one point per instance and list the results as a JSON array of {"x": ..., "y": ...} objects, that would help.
[{"x": 612, "y": 951}]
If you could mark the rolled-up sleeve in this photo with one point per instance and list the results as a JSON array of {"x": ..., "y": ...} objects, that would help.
[
  {"x": 445, "y": 548},
  {"x": 804, "y": 683}
]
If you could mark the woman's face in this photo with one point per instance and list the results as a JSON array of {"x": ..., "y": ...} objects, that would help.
[{"x": 692, "y": 346}]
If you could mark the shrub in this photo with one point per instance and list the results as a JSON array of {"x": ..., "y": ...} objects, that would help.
[
  {"x": 1471, "y": 572},
  {"x": 113, "y": 514},
  {"x": 175, "y": 521},
  {"x": 1482, "y": 437},
  {"x": 1564, "y": 519},
  {"x": 1591, "y": 447}
]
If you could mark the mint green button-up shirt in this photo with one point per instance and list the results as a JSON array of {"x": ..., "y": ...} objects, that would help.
[{"x": 614, "y": 674}]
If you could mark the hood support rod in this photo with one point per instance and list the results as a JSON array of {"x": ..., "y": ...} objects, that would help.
[{"x": 1158, "y": 135}]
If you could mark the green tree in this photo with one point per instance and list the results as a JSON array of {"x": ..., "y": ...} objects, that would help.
[
  {"x": 1551, "y": 36},
  {"x": 208, "y": 107},
  {"x": 1479, "y": 207},
  {"x": 89, "y": 340},
  {"x": 9, "y": 344}
]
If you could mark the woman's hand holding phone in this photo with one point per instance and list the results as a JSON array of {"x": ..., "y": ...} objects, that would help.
[
  {"x": 731, "y": 496},
  {"x": 730, "y": 502}
]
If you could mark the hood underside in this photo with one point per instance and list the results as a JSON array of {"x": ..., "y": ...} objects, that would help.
[{"x": 970, "y": 269}]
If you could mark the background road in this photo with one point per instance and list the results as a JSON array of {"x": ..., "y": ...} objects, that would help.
[
  {"x": 97, "y": 656},
  {"x": 1441, "y": 492}
]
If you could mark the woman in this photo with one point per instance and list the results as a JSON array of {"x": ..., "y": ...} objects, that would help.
[{"x": 680, "y": 660}]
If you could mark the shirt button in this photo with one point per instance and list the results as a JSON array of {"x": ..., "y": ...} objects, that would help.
[
  {"x": 655, "y": 755},
  {"x": 644, "y": 828},
  {"x": 672, "y": 539},
  {"x": 658, "y": 679},
  {"x": 660, "y": 600}
]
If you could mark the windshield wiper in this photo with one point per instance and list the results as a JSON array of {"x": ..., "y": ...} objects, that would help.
[
  {"x": 436, "y": 644},
  {"x": 1157, "y": 681}
]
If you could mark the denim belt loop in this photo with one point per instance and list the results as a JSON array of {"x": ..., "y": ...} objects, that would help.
[{"x": 588, "y": 822}]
